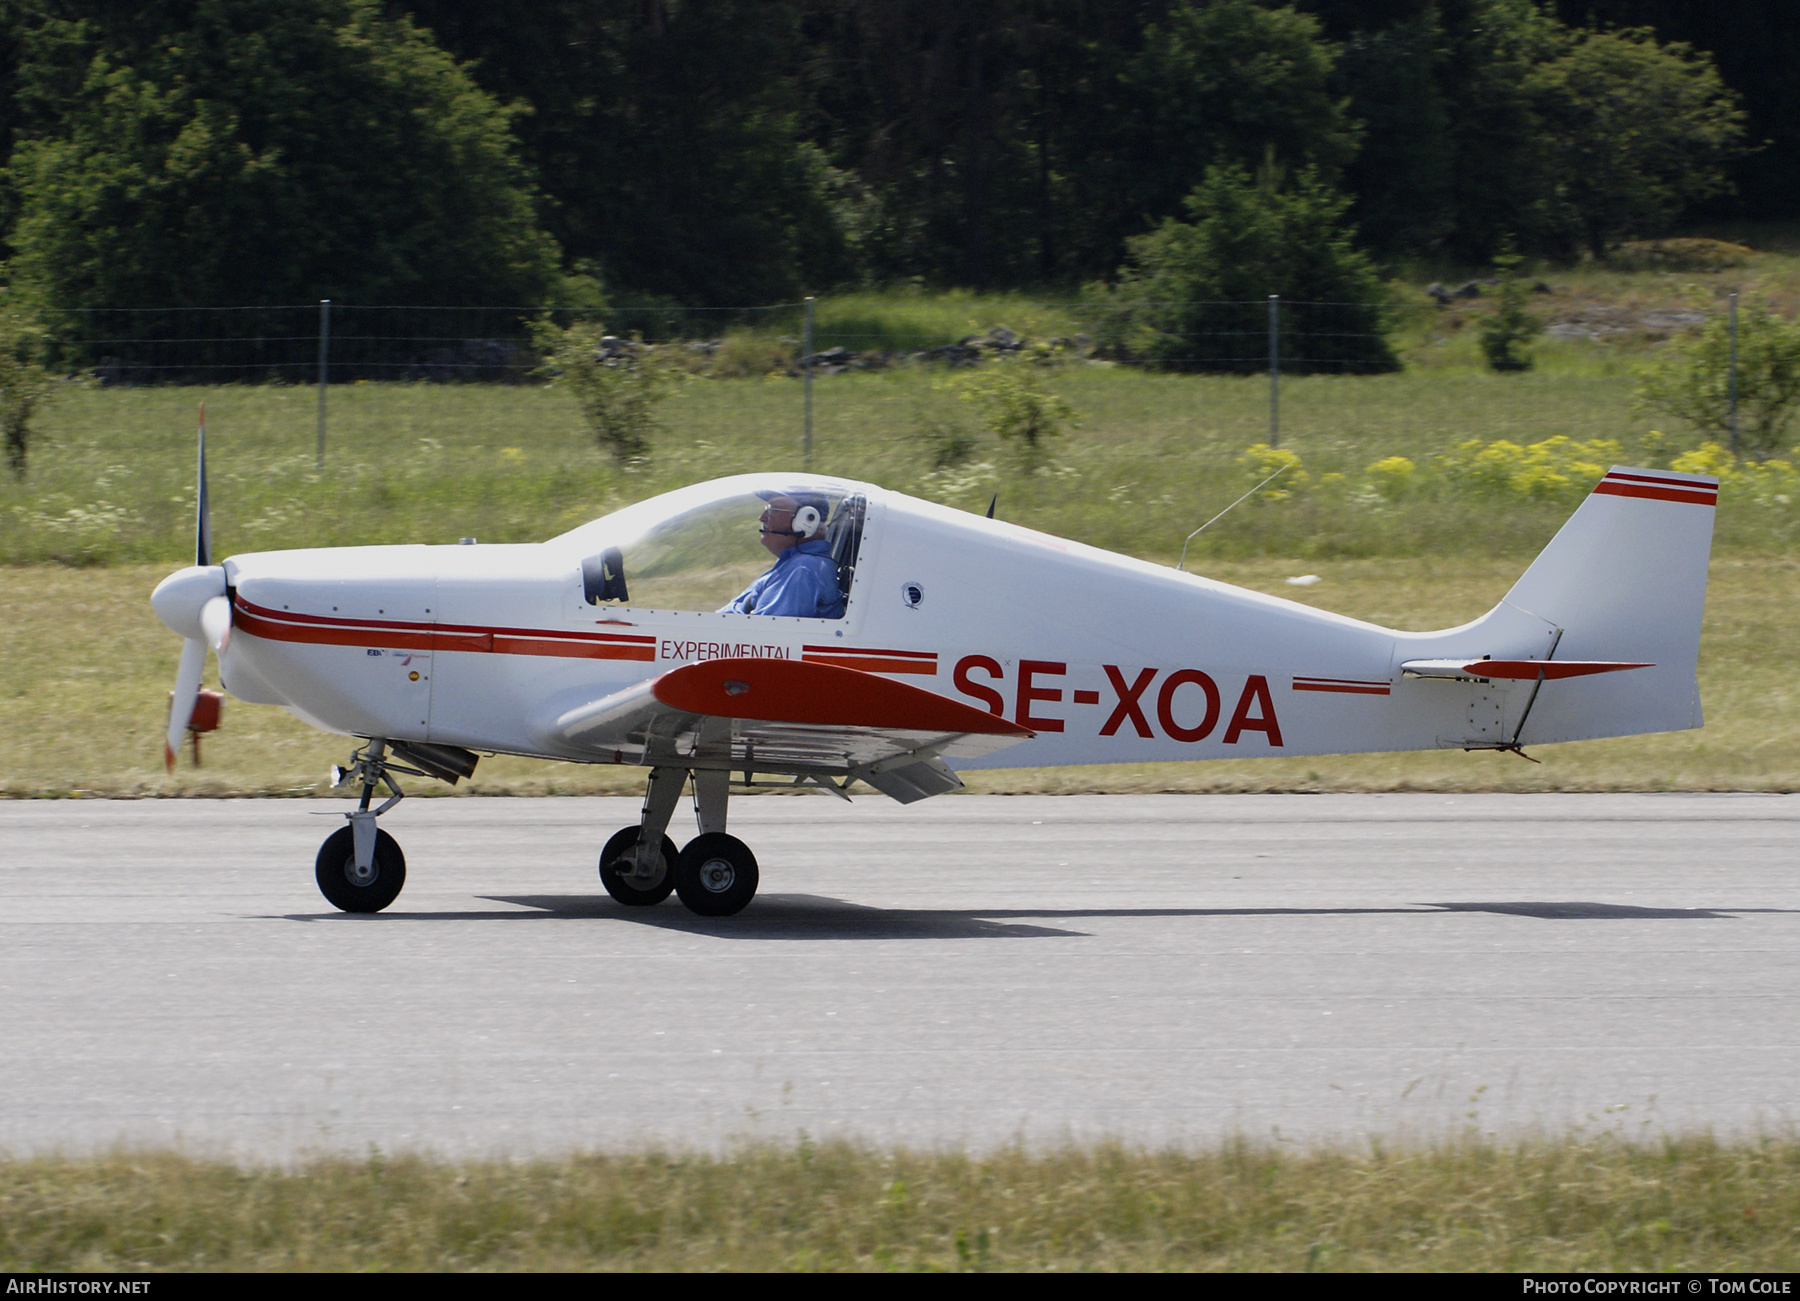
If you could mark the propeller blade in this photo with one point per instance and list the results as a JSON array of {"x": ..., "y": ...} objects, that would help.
[
  {"x": 215, "y": 621},
  {"x": 202, "y": 526},
  {"x": 181, "y": 701}
]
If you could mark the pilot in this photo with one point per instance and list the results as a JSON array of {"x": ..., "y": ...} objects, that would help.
[{"x": 804, "y": 580}]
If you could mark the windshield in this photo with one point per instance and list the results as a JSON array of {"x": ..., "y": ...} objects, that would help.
[{"x": 697, "y": 549}]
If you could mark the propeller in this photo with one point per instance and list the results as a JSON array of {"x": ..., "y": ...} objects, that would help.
[{"x": 193, "y": 603}]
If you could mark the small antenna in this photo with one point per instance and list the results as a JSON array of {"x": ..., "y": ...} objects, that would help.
[
  {"x": 1234, "y": 505},
  {"x": 992, "y": 501}
]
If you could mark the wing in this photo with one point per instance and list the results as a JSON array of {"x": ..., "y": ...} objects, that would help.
[{"x": 791, "y": 717}]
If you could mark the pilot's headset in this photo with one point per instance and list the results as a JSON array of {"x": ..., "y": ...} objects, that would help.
[{"x": 808, "y": 521}]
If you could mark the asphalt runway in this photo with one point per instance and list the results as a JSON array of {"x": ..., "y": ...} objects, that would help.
[{"x": 968, "y": 971}]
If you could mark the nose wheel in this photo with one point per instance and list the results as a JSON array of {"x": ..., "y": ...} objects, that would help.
[{"x": 354, "y": 888}]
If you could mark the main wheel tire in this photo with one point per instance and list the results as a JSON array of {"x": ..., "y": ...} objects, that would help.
[
  {"x": 336, "y": 873},
  {"x": 616, "y": 865},
  {"x": 716, "y": 875}
]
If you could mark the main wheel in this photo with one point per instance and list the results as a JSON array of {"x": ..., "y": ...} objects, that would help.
[
  {"x": 618, "y": 866},
  {"x": 340, "y": 882},
  {"x": 716, "y": 875}
]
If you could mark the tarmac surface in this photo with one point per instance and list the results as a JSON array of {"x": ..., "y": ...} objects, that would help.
[{"x": 970, "y": 971}]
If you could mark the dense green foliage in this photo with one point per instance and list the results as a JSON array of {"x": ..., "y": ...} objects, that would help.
[
  {"x": 1693, "y": 382},
  {"x": 1634, "y": 134},
  {"x": 264, "y": 151},
  {"x": 725, "y": 153},
  {"x": 1195, "y": 294}
]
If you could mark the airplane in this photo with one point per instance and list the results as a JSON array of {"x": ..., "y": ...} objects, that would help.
[{"x": 964, "y": 643}]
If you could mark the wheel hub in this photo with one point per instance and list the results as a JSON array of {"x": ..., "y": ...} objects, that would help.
[
  {"x": 717, "y": 875},
  {"x": 360, "y": 877},
  {"x": 639, "y": 873}
]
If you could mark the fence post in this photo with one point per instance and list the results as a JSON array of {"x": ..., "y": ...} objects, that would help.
[
  {"x": 806, "y": 365},
  {"x": 324, "y": 360},
  {"x": 1274, "y": 370},
  {"x": 1731, "y": 380}
]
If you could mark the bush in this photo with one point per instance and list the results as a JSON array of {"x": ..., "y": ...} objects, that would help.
[
  {"x": 1691, "y": 381},
  {"x": 616, "y": 384},
  {"x": 1393, "y": 477},
  {"x": 1016, "y": 406},
  {"x": 1195, "y": 295}
]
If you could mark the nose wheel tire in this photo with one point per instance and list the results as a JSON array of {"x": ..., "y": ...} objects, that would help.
[
  {"x": 618, "y": 868},
  {"x": 353, "y": 891},
  {"x": 716, "y": 875}
]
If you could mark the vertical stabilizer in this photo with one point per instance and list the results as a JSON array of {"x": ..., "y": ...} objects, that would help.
[{"x": 1624, "y": 579}]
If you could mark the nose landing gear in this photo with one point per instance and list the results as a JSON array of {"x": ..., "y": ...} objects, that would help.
[{"x": 360, "y": 868}]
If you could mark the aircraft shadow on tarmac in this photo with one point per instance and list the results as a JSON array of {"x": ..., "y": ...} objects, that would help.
[{"x": 816, "y": 917}]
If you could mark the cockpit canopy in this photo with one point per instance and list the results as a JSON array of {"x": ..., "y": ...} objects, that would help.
[{"x": 698, "y": 548}]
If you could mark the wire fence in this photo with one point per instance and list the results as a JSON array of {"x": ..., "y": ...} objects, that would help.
[
  {"x": 332, "y": 343},
  {"x": 341, "y": 342}
]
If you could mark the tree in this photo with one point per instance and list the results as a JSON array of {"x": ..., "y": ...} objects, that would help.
[
  {"x": 1026, "y": 140},
  {"x": 1505, "y": 333},
  {"x": 1634, "y": 133},
  {"x": 1692, "y": 380},
  {"x": 1756, "y": 45},
  {"x": 24, "y": 383},
  {"x": 668, "y": 136},
  {"x": 202, "y": 153},
  {"x": 1451, "y": 159},
  {"x": 1195, "y": 294}
]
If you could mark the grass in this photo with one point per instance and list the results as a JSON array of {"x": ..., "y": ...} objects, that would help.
[
  {"x": 1579, "y": 1204},
  {"x": 111, "y": 479},
  {"x": 906, "y": 322}
]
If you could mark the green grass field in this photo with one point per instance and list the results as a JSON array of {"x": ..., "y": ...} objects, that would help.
[
  {"x": 111, "y": 478},
  {"x": 1583, "y": 1203}
]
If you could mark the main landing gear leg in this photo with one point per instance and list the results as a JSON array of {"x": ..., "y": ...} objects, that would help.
[
  {"x": 360, "y": 868},
  {"x": 716, "y": 874},
  {"x": 637, "y": 867}
]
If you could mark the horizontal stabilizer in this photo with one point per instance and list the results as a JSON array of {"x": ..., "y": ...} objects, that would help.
[{"x": 1467, "y": 670}]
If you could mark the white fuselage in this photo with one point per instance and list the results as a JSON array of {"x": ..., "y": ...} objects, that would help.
[{"x": 1106, "y": 658}]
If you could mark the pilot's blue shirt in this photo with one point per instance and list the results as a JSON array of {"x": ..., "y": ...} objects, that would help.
[{"x": 803, "y": 582}]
